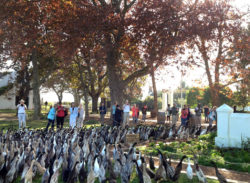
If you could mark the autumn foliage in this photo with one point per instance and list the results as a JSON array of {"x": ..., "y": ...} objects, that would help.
[{"x": 120, "y": 40}]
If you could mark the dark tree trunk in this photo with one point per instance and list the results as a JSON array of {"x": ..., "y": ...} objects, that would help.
[
  {"x": 94, "y": 103},
  {"x": 84, "y": 87},
  {"x": 86, "y": 101},
  {"x": 154, "y": 91},
  {"x": 76, "y": 96},
  {"x": 23, "y": 85},
  {"x": 36, "y": 86},
  {"x": 116, "y": 85}
]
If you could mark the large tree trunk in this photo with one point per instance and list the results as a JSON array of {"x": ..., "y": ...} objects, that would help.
[
  {"x": 86, "y": 102},
  {"x": 94, "y": 103},
  {"x": 23, "y": 85},
  {"x": 155, "y": 110},
  {"x": 76, "y": 97},
  {"x": 116, "y": 85},
  {"x": 36, "y": 86}
]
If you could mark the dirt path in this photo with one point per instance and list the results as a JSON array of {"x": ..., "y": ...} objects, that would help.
[{"x": 7, "y": 117}]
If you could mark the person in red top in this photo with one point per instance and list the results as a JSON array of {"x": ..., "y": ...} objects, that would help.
[
  {"x": 184, "y": 116},
  {"x": 135, "y": 112},
  {"x": 60, "y": 114}
]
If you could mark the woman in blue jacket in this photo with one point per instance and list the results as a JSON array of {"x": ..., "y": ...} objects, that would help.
[{"x": 51, "y": 117}]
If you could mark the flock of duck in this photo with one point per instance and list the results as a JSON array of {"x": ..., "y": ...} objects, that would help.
[{"x": 86, "y": 155}]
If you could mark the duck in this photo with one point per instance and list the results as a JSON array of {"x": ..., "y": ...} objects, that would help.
[
  {"x": 146, "y": 176},
  {"x": 220, "y": 177},
  {"x": 46, "y": 176},
  {"x": 161, "y": 171},
  {"x": 29, "y": 174},
  {"x": 82, "y": 173},
  {"x": 199, "y": 173},
  {"x": 189, "y": 170},
  {"x": 151, "y": 163},
  {"x": 178, "y": 169},
  {"x": 139, "y": 172}
]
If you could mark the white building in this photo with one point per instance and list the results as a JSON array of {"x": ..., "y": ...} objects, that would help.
[{"x": 8, "y": 99}]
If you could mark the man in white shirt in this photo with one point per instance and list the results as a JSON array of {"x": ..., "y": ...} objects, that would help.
[
  {"x": 126, "y": 110},
  {"x": 21, "y": 111}
]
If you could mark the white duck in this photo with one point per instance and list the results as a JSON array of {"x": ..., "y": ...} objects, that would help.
[{"x": 189, "y": 170}]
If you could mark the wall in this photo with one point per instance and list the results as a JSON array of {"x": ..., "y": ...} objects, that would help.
[
  {"x": 232, "y": 127},
  {"x": 7, "y": 101}
]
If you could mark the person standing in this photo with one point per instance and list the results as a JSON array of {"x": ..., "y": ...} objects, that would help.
[
  {"x": 168, "y": 112},
  {"x": 175, "y": 111},
  {"x": 102, "y": 110},
  {"x": 198, "y": 111},
  {"x": 73, "y": 115},
  {"x": 118, "y": 116},
  {"x": 206, "y": 112},
  {"x": 144, "y": 112},
  {"x": 113, "y": 109},
  {"x": 126, "y": 110},
  {"x": 135, "y": 111},
  {"x": 184, "y": 116},
  {"x": 51, "y": 117},
  {"x": 80, "y": 117},
  {"x": 212, "y": 116},
  {"x": 60, "y": 114},
  {"x": 21, "y": 113}
]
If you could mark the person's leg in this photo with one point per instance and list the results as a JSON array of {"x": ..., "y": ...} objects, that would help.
[
  {"x": 48, "y": 124},
  {"x": 52, "y": 124},
  {"x": 124, "y": 119},
  {"x": 62, "y": 122},
  {"x": 57, "y": 122},
  {"x": 199, "y": 121},
  {"x": 127, "y": 121},
  {"x": 173, "y": 119},
  {"x": 182, "y": 122},
  {"x": 24, "y": 120},
  {"x": 20, "y": 121},
  {"x": 210, "y": 122}
]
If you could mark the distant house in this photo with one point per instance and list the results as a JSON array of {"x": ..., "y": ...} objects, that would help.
[{"x": 8, "y": 98}]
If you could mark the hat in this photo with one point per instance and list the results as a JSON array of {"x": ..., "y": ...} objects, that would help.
[{"x": 21, "y": 100}]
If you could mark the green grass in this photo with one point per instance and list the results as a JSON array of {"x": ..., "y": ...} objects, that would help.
[{"x": 204, "y": 147}]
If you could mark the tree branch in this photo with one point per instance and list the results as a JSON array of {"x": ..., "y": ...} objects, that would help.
[{"x": 142, "y": 72}]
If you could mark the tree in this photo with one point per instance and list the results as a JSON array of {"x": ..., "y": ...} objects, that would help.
[
  {"x": 217, "y": 28},
  {"x": 119, "y": 28},
  {"x": 241, "y": 73},
  {"x": 225, "y": 96},
  {"x": 194, "y": 96},
  {"x": 25, "y": 41},
  {"x": 57, "y": 82}
]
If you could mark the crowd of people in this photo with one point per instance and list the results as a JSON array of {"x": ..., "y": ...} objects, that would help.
[
  {"x": 120, "y": 115},
  {"x": 56, "y": 113},
  {"x": 187, "y": 118}
]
